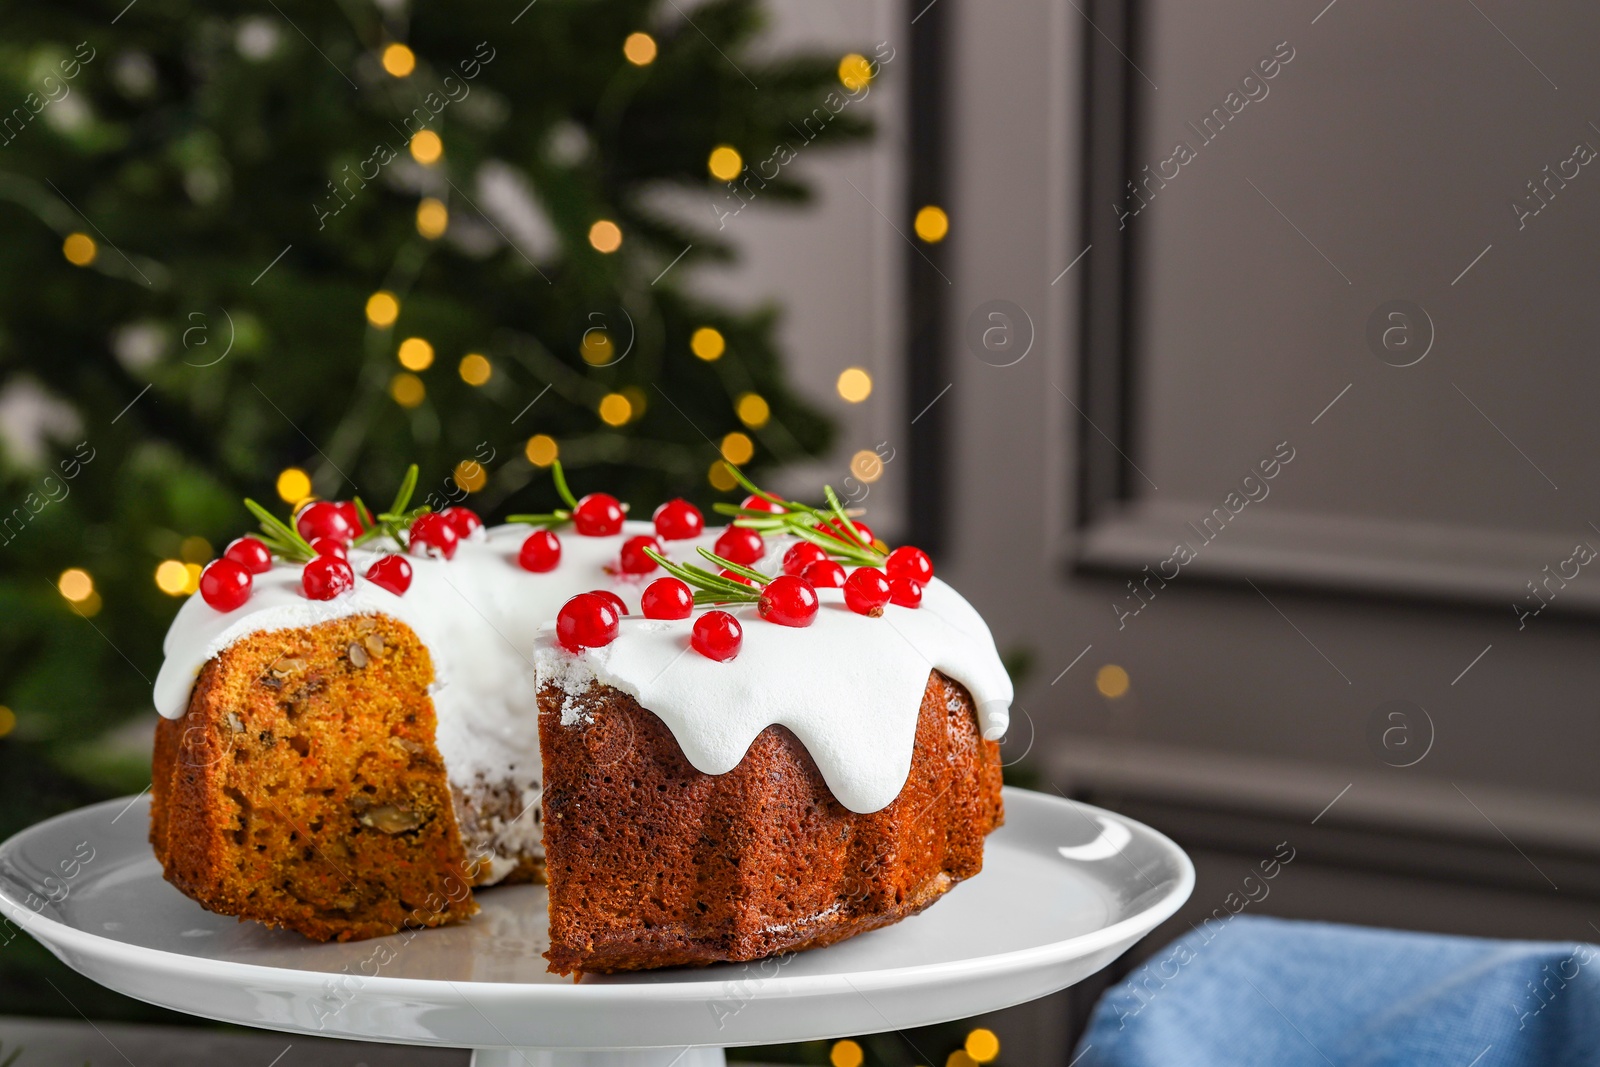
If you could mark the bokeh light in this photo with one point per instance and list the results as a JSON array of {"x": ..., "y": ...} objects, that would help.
[
  {"x": 605, "y": 236},
  {"x": 753, "y": 410},
  {"x": 640, "y": 48},
  {"x": 737, "y": 448},
  {"x": 855, "y": 72},
  {"x": 867, "y": 465},
  {"x": 399, "y": 60},
  {"x": 707, "y": 343},
  {"x": 294, "y": 485},
  {"x": 932, "y": 224},
  {"x": 382, "y": 308},
  {"x": 433, "y": 218},
  {"x": 407, "y": 390},
  {"x": 80, "y": 249},
  {"x": 846, "y": 1054},
  {"x": 470, "y": 475},
  {"x": 475, "y": 369},
  {"x": 983, "y": 1045},
  {"x": 615, "y": 409},
  {"x": 854, "y": 384},
  {"x": 720, "y": 477},
  {"x": 542, "y": 450},
  {"x": 75, "y": 584},
  {"x": 415, "y": 353},
  {"x": 1112, "y": 681},
  {"x": 172, "y": 577},
  {"x": 725, "y": 163},
  {"x": 426, "y": 147}
]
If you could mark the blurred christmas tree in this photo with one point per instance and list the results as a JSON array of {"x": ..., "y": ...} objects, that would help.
[{"x": 290, "y": 249}]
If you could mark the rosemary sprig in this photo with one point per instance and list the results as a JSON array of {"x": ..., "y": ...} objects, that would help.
[
  {"x": 398, "y": 519},
  {"x": 281, "y": 539},
  {"x": 559, "y": 515},
  {"x": 712, "y": 588},
  {"x": 840, "y": 537}
]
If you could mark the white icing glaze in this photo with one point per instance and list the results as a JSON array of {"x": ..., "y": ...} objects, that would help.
[{"x": 849, "y": 686}]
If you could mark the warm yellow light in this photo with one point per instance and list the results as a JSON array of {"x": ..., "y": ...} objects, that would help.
[
  {"x": 1112, "y": 681},
  {"x": 737, "y": 448},
  {"x": 959, "y": 1058},
  {"x": 415, "y": 354},
  {"x": 855, "y": 72},
  {"x": 191, "y": 579},
  {"x": 475, "y": 369},
  {"x": 470, "y": 475},
  {"x": 195, "y": 550},
  {"x": 172, "y": 577},
  {"x": 426, "y": 147},
  {"x": 753, "y": 410},
  {"x": 854, "y": 384},
  {"x": 725, "y": 163},
  {"x": 595, "y": 347},
  {"x": 983, "y": 1045},
  {"x": 8, "y": 720},
  {"x": 707, "y": 343},
  {"x": 605, "y": 236},
  {"x": 407, "y": 389},
  {"x": 294, "y": 485},
  {"x": 636, "y": 400},
  {"x": 932, "y": 224},
  {"x": 399, "y": 60},
  {"x": 542, "y": 450},
  {"x": 866, "y": 465},
  {"x": 432, "y": 218},
  {"x": 846, "y": 1054},
  {"x": 80, "y": 249},
  {"x": 382, "y": 308},
  {"x": 75, "y": 584},
  {"x": 615, "y": 409},
  {"x": 720, "y": 477},
  {"x": 640, "y": 48}
]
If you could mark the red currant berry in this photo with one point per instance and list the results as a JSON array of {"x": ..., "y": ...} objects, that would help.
[
  {"x": 909, "y": 562},
  {"x": 740, "y": 545},
  {"x": 667, "y": 598},
  {"x": 735, "y": 576},
  {"x": 614, "y": 600},
  {"x": 352, "y": 515},
  {"x": 907, "y": 592},
  {"x": 392, "y": 573},
  {"x": 327, "y": 546},
  {"x": 598, "y": 515},
  {"x": 634, "y": 561},
  {"x": 788, "y": 601},
  {"x": 324, "y": 519},
  {"x": 249, "y": 553},
  {"x": 326, "y": 577},
  {"x": 759, "y": 503},
  {"x": 541, "y": 552},
  {"x": 679, "y": 520},
  {"x": 824, "y": 574},
  {"x": 464, "y": 521},
  {"x": 866, "y": 591},
  {"x": 586, "y": 621},
  {"x": 801, "y": 555},
  {"x": 432, "y": 535},
  {"x": 836, "y": 528},
  {"x": 718, "y": 636},
  {"x": 225, "y": 584}
]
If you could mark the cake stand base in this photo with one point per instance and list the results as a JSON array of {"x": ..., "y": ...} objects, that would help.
[
  {"x": 1065, "y": 889},
  {"x": 660, "y": 1057}
]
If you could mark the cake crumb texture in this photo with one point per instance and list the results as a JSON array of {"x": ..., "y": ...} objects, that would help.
[
  {"x": 302, "y": 788},
  {"x": 652, "y": 863}
]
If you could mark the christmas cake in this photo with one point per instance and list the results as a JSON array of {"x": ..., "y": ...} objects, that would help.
[{"x": 715, "y": 744}]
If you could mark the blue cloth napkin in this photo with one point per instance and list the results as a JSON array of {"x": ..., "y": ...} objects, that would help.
[{"x": 1293, "y": 994}]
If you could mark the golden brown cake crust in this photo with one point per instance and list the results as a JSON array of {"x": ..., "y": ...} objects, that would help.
[
  {"x": 652, "y": 863},
  {"x": 302, "y": 787}
]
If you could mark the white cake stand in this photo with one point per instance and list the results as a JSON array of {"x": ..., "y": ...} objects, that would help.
[{"x": 1066, "y": 888}]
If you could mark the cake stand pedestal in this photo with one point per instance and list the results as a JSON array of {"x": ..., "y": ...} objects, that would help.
[{"x": 1066, "y": 888}]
